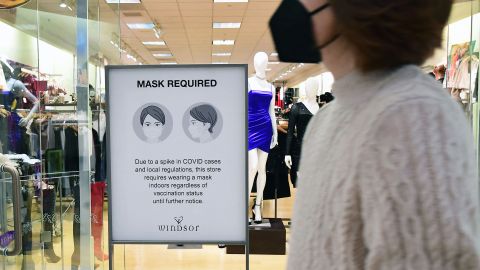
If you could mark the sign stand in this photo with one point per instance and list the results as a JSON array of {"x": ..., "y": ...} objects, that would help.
[
  {"x": 177, "y": 151},
  {"x": 111, "y": 259}
]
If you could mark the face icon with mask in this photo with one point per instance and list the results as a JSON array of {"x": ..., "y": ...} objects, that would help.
[
  {"x": 292, "y": 32},
  {"x": 202, "y": 122},
  {"x": 152, "y": 120}
]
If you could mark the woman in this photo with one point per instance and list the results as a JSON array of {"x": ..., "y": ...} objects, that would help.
[
  {"x": 203, "y": 119},
  {"x": 388, "y": 178},
  {"x": 152, "y": 119}
]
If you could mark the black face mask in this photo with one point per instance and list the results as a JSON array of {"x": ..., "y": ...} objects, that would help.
[{"x": 292, "y": 33}]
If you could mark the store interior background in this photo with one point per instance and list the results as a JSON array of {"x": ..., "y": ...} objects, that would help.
[{"x": 42, "y": 37}]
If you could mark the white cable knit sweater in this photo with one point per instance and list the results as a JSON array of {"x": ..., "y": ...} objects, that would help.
[{"x": 388, "y": 180}]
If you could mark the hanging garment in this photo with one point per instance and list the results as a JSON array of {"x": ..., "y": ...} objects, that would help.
[
  {"x": 100, "y": 124},
  {"x": 260, "y": 130},
  {"x": 71, "y": 156},
  {"x": 298, "y": 121},
  {"x": 71, "y": 150},
  {"x": 97, "y": 193},
  {"x": 98, "y": 156},
  {"x": 4, "y": 135},
  {"x": 277, "y": 172},
  {"x": 55, "y": 162},
  {"x": 104, "y": 157},
  {"x": 49, "y": 218},
  {"x": 27, "y": 194},
  {"x": 8, "y": 99},
  {"x": 475, "y": 91},
  {"x": 18, "y": 140},
  {"x": 97, "y": 190},
  {"x": 462, "y": 79},
  {"x": 75, "y": 259}
]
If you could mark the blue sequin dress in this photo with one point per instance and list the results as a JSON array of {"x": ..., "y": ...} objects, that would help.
[{"x": 260, "y": 130}]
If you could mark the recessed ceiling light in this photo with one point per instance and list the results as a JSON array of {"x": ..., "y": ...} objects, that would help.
[
  {"x": 163, "y": 55},
  {"x": 123, "y": 1},
  {"x": 273, "y": 63},
  {"x": 220, "y": 63},
  {"x": 140, "y": 25},
  {"x": 274, "y": 54},
  {"x": 221, "y": 54},
  {"x": 157, "y": 31},
  {"x": 154, "y": 43},
  {"x": 63, "y": 4},
  {"x": 230, "y": 1},
  {"x": 223, "y": 25},
  {"x": 223, "y": 42},
  {"x": 168, "y": 63}
]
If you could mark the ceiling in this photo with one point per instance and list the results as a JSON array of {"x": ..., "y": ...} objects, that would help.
[
  {"x": 188, "y": 32},
  {"x": 186, "y": 27}
]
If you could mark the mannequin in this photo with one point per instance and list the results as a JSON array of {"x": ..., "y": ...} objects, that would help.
[
  {"x": 16, "y": 89},
  {"x": 300, "y": 115},
  {"x": 262, "y": 129}
]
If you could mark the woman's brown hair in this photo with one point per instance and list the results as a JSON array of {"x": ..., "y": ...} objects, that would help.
[{"x": 390, "y": 33}]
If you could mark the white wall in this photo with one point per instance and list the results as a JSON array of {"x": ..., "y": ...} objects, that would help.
[
  {"x": 54, "y": 61},
  {"x": 325, "y": 81},
  {"x": 461, "y": 31},
  {"x": 20, "y": 47}
]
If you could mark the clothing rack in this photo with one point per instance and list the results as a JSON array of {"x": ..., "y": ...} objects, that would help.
[
  {"x": 27, "y": 71},
  {"x": 62, "y": 122}
]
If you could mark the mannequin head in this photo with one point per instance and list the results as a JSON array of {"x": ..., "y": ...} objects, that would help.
[
  {"x": 260, "y": 62},
  {"x": 203, "y": 119},
  {"x": 152, "y": 120},
  {"x": 311, "y": 88}
]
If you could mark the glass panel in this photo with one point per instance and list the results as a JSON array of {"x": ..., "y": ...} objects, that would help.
[
  {"x": 463, "y": 53},
  {"x": 475, "y": 80},
  {"x": 18, "y": 108},
  {"x": 57, "y": 65},
  {"x": 38, "y": 50}
]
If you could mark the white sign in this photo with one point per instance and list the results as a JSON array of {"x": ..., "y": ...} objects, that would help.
[{"x": 177, "y": 153}]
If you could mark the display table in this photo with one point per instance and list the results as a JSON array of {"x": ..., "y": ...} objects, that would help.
[{"x": 268, "y": 238}]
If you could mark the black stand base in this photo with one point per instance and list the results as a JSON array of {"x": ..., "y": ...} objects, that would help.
[{"x": 268, "y": 240}]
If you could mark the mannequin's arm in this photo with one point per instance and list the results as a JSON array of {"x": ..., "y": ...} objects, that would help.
[
  {"x": 274, "y": 120},
  {"x": 22, "y": 91},
  {"x": 292, "y": 123},
  {"x": 282, "y": 126},
  {"x": 36, "y": 105}
]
